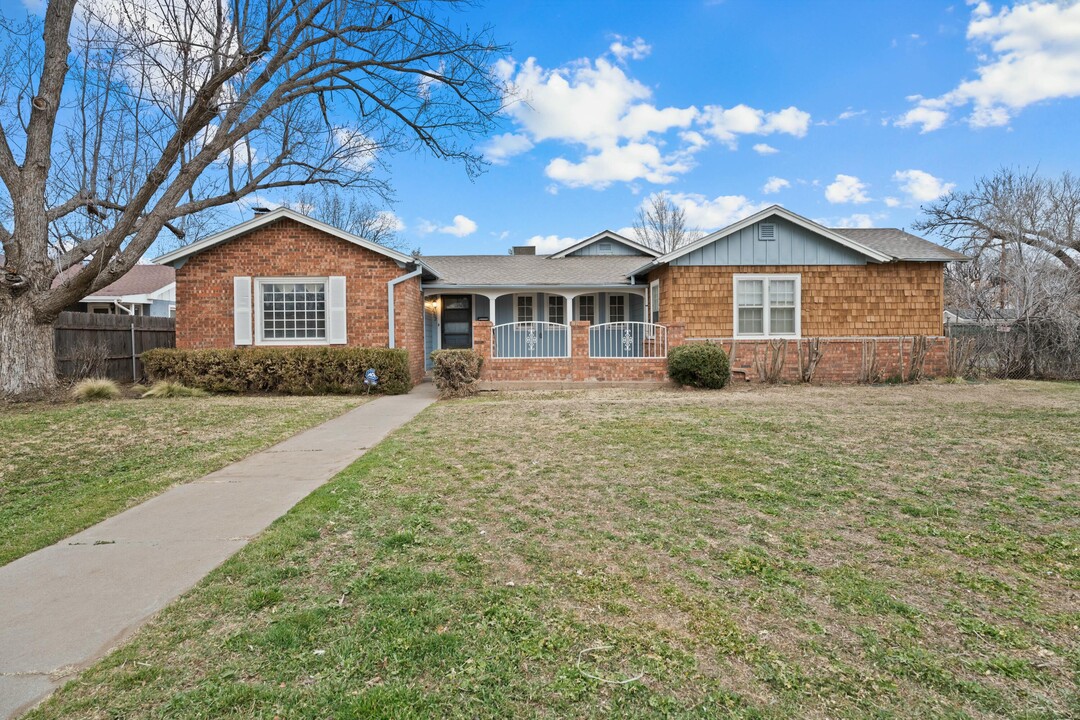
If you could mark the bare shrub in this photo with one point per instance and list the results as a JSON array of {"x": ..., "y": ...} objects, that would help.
[
  {"x": 89, "y": 359},
  {"x": 769, "y": 362},
  {"x": 815, "y": 351},
  {"x": 456, "y": 372}
]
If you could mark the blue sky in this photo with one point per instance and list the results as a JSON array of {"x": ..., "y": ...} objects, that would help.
[{"x": 850, "y": 113}]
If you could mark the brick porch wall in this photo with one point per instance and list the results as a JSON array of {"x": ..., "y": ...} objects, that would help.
[
  {"x": 844, "y": 360},
  {"x": 579, "y": 367}
]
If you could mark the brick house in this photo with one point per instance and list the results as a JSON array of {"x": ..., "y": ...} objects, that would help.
[{"x": 604, "y": 309}]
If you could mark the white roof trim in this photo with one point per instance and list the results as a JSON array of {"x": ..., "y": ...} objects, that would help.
[
  {"x": 605, "y": 234},
  {"x": 273, "y": 216},
  {"x": 772, "y": 210}
]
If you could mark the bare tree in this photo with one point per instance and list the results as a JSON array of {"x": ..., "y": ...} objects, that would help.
[
  {"x": 661, "y": 224},
  {"x": 344, "y": 210},
  {"x": 133, "y": 118}
]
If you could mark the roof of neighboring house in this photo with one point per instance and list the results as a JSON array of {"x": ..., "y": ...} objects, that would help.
[
  {"x": 139, "y": 280},
  {"x": 518, "y": 270},
  {"x": 899, "y": 245},
  {"x": 270, "y": 217}
]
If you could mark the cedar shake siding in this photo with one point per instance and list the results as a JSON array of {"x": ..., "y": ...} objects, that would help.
[
  {"x": 286, "y": 248},
  {"x": 872, "y": 300}
]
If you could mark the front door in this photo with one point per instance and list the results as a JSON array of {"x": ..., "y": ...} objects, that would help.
[{"x": 456, "y": 322}]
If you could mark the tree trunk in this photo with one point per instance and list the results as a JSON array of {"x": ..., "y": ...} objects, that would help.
[{"x": 27, "y": 349}]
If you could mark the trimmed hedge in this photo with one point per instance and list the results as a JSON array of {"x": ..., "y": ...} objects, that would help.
[
  {"x": 701, "y": 365},
  {"x": 456, "y": 372},
  {"x": 291, "y": 371}
]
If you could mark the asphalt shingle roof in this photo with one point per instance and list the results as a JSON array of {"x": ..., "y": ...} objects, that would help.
[
  {"x": 899, "y": 244},
  {"x": 533, "y": 269}
]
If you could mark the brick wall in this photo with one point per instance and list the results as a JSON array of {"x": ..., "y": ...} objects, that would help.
[
  {"x": 579, "y": 367},
  {"x": 204, "y": 287},
  {"x": 890, "y": 299},
  {"x": 843, "y": 360}
]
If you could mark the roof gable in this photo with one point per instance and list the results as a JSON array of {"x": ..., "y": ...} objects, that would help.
[
  {"x": 267, "y": 218},
  {"x": 589, "y": 245}
]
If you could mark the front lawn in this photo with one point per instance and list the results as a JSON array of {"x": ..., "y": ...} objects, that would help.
[
  {"x": 788, "y": 552},
  {"x": 66, "y": 467}
]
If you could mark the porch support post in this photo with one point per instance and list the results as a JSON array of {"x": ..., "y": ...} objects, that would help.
[{"x": 491, "y": 310}]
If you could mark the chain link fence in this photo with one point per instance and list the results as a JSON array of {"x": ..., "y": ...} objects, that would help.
[{"x": 1024, "y": 349}]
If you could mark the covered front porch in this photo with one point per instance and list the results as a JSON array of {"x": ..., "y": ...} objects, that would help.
[{"x": 531, "y": 322}]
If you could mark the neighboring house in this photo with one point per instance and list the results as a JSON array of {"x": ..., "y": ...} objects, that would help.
[
  {"x": 605, "y": 308},
  {"x": 143, "y": 290}
]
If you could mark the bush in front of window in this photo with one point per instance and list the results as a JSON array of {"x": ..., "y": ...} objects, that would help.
[
  {"x": 456, "y": 372},
  {"x": 702, "y": 365},
  {"x": 289, "y": 371}
]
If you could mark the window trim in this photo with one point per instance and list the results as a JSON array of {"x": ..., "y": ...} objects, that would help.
[
  {"x": 547, "y": 308},
  {"x": 517, "y": 318},
  {"x": 257, "y": 301},
  {"x": 766, "y": 277},
  {"x": 649, "y": 309}
]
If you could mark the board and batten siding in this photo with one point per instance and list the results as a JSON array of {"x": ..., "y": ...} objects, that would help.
[
  {"x": 617, "y": 248},
  {"x": 794, "y": 245}
]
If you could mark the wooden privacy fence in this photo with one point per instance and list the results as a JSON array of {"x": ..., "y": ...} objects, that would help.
[{"x": 89, "y": 345}]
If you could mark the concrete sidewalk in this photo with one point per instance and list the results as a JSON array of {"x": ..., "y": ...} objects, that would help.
[{"x": 64, "y": 606}]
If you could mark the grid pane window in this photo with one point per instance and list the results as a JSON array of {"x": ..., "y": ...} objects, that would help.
[
  {"x": 782, "y": 307},
  {"x": 557, "y": 309},
  {"x": 587, "y": 308},
  {"x": 654, "y": 302},
  {"x": 524, "y": 308},
  {"x": 616, "y": 308},
  {"x": 750, "y": 296},
  {"x": 293, "y": 310}
]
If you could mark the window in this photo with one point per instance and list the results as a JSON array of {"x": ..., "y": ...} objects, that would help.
[
  {"x": 292, "y": 311},
  {"x": 617, "y": 308},
  {"x": 587, "y": 308},
  {"x": 604, "y": 248},
  {"x": 654, "y": 302},
  {"x": 556, "y": 308},
  {"x": 767, "y": 305},
  {"x": 524, "y": 308}
]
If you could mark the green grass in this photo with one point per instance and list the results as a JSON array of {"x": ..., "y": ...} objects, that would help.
[
  {"x": 787, "y": 552},
  {"x": 65, "y": 467}
]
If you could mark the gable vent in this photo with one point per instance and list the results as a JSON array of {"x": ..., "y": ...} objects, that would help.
[{"x": 766, "y": 231}]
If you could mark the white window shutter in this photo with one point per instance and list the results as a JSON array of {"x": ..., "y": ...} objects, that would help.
[
  {"x": 335, "y": 316},
  {"x": 242, "y": 310}
]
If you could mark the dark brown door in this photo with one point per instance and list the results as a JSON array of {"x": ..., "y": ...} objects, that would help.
[{"x": 456, "y": 322}]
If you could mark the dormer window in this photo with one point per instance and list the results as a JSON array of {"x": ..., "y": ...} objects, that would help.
[{"x": 766, "y": 232}]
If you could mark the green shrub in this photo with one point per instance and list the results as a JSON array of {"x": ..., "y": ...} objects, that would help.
[
  {"x": 701, "y": 365},
  {"x": 292, "y": 371},
  {"x": 456, "y": 372},
  {"x": 95, "y": 389},
  {"x": 170, "y": 389}
]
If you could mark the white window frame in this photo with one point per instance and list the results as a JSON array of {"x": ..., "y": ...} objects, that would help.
[
  {"x": 767, "y": 331},
  {"x": 517, "y": 316},
  {"x": 257, "y": 301},
  {"x": 625, "y": 307},
  {"x": 579, "y": 309},
  {"x": 650, "y": 302},
  {"x": 547, "y": 309}
]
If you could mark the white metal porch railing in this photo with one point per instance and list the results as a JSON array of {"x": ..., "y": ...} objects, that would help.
[
  {"x": 632, "y": 340},
  {"x": 530, "y": 340}
]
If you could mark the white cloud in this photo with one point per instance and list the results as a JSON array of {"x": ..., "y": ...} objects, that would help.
[
  {"x": 892, "y": 202},
  {"x": 710, "y": 215},
  {"x": 726, "y": 124},
  {"x": 501, "y": 148},
  {"x": 858, "y": 220},
  {"x": 848, "y": 114},
  {"x": 846, "y": 189},
  {"x": 548, "y": 244},
  {"x": 921, "y": 186},
  {"x": 624, "y": 49},
  {"x": 1028, "y": 53},
  {"x": 392, "y": 220},
  {"x": 622, "y": 163},
  {"x": 775, "y": 185},
  {"x": 460, "y": 227},
  {"x": 765, "y": 149}
]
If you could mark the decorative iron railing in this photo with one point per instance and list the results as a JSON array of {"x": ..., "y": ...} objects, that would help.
[
  {"x": 631, "y": 340},
  {"x": 530, "y": 340}
]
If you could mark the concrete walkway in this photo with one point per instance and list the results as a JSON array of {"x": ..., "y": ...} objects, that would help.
[{"x": 65, "y": 606}]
